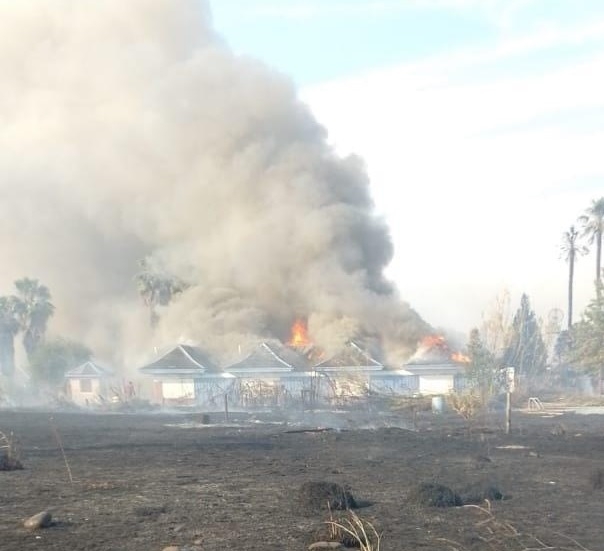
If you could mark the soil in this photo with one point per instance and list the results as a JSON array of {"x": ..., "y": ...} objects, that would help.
[{"x": 144, "y": 482}]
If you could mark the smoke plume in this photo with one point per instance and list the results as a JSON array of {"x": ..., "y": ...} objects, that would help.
[{"x": 130, "y": 131}]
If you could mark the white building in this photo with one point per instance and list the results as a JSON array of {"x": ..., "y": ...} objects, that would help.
[
  {"x": 177, "y": 375},
  {"x": 88, "y": 384},
  {"x": 436, "y": 378}
]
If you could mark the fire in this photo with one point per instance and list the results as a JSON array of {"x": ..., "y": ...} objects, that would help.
[
  {"x": 299, "y": 334},
  {"x": 460, "y": 358},
  {"x": 433, "y": 341},
  {"x": 437, "y": 346}
]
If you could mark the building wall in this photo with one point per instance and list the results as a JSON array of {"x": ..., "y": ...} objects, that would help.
[
  {"x": 341, "y": 386},
  {"x": 267, "y": 390},
  {"x": 258, "y": 390},
  {"x": 86, "y": 392},
  {"x": 436, "y": 384},
  {"x": 401, "y": 384},
  {"x": 178, "y": 389}
]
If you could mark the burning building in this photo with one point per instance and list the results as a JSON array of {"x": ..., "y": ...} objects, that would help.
[
  {"x": 437, "y": 368},
  {"x": 272, "y": 374}
]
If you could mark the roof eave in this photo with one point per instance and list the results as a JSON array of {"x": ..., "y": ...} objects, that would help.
[{"x": 171, "y": 371}]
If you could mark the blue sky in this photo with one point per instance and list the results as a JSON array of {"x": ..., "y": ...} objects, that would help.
[
  {"x": 316, "y": 40},
  {"x": 326, "y": 42},
  {"x": 481, "y": 123}
]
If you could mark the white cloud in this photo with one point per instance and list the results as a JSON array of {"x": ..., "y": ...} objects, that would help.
[{"x": 478, "y": 175}]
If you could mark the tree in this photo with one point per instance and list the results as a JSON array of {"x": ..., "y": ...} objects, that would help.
[
  {"x": 563, "y": 346},
  {"x": 495, "y": 327},
  {"x": 570, "y": 250},
  {"x": 481, "y": 368},
  {"x": 592, "y": 223},
  {"x": 9, "y": 326},
  {"x": 156, "y": 289},
  {"x": 587, "y": 347},
  {"x": 52, "y": 359},
  {"x": 526, "y": 349},
  {"x": 33, "y": 310}
]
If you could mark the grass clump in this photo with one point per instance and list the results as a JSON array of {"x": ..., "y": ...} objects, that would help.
[
  {"x": 354, "y": 531},
  {"x": 496, "y": 534},
  {"x": 481, "y": 492},
  {"x": 322, "y": 495},
  {"x": 431, "y": 494},
  {"x": 10, "y": 453}
]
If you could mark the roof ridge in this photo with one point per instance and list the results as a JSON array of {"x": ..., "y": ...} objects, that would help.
[
  {"x": 357, "y": 347},
  {"x": 180, "y": 346},
  {"x": 271, "y": 351},
  {"x": 365, "y": 353}
]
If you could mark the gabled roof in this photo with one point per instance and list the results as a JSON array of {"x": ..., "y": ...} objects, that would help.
[
  {"x": 182, "y": 360},
  {"x": 270, "y": 356},
  {"x": 352, "y": 356},
  {"x": 88, "y": 370}
]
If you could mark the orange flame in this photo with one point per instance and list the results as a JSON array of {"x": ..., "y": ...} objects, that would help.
[
  {"x": 433, "y": 341},
  {"x": 437, "y": 344},
  {"x": 460, "y": 358},
  {"x": 299, "y": 334}
]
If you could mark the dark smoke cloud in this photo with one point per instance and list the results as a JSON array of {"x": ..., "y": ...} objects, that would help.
[{"x": 128, "y": 130}]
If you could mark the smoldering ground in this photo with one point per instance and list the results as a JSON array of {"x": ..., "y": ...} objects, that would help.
[{"x": 130, "y": 130}]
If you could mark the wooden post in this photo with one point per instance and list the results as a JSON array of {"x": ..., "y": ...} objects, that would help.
[
  {"x": 508, "y": 412},
  {"x": 226, "y": 407},
  {"x": 510, "y": 383}
]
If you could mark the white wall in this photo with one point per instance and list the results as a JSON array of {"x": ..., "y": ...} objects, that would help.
[
  {"x": 181, "y": 388},
  {"x": 436, "y": 384},
  {"x": 82, "y": 398}
]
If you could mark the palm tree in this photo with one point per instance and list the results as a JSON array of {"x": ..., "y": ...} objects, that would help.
[
  {"x": 9, "y": 326},
  {"x": 33, "y": 310},
  {"x": 592, "y": 227},
  {"x": 156, "y": 289},
  {"x": 571, "y": 249}
]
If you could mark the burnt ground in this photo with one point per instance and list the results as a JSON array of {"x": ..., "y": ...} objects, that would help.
[{"x": 143, "y": 482}]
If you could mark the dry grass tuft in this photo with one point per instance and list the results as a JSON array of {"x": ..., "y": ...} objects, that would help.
[
  {"x": 354, "y": 531},
  {"x": 466, "y": 404},
  {"x": 10, "y": 453},
  {"x": 410, "y": 403},
  {"x": 499, "y": 535}
]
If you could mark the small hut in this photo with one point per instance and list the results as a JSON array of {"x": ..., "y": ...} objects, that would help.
[{"x": 88, "y": 383}]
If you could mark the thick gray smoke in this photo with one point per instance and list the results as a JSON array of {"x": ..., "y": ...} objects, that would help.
[{"x": 129, "y": 131}]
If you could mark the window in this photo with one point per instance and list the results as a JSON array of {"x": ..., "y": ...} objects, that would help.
[{"x": 85, "y": 385}]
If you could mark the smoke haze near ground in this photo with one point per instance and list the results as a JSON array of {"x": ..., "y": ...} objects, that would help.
[{"x": 130, "y": 131}]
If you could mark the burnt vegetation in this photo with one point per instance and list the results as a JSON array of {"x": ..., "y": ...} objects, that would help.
[{"x": 320, "y": 495}]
